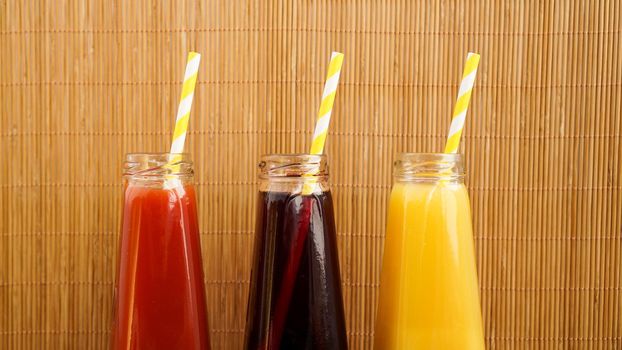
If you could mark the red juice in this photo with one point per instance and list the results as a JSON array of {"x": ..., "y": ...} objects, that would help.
[
  {"x": 160, "y": 296},
  {"x": 295, "y": 297}
]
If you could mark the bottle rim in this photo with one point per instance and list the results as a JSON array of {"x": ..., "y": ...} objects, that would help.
[
  {"x": 293, "y": 166},
  {"x": 428, "y": 167},
  {"x": 153, "y": 166}
]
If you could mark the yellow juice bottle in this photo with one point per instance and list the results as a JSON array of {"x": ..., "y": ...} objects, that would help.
[{"x": 428, "y": 287}]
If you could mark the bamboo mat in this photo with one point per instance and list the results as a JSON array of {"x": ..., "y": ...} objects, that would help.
[{"x": 84, "y": 82}]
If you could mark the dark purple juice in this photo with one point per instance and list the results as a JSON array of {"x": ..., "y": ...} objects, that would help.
[{"x": 295, "y": 293}]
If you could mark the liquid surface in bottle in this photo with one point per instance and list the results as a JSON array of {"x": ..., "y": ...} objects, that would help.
[
  {"x": 295, "y": 297},
  {"x": 428, "y": 292},
  {"x": 160, "y": 295}
]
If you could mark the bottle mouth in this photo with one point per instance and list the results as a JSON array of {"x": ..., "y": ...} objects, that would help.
[
  {"x": 291, "y": 166},
  {"x": 428, "y": 166},
  {"x": 149, "y": 167}
]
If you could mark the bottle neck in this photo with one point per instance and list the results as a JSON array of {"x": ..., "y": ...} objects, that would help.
[
  {"x": 288, "y": 172},
  {"x": 428, "y": 167},
  {"x": 155, "y": 169}
]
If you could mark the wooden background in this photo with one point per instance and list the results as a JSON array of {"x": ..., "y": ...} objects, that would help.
[{"x": 84, "y": 82}]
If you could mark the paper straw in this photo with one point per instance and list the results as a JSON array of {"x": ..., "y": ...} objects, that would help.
[
  {"x": 323, "y": 116},
  {"x": 317, "y": 147},
  {"x": 328, "y": 100},
  {"x": 185, "y": 104},
  {"x": 462, "y": 104}
]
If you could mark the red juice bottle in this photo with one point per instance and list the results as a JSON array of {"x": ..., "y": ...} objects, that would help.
[
  {"x": 295, "y": 297},
  {"x": 159, "y": 294}
]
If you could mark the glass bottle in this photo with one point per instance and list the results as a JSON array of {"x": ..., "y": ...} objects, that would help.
[
  {"x": 159, "y": 294},
  {"x": 295, "y": 297},
  {"x": 428, "y": 288}
]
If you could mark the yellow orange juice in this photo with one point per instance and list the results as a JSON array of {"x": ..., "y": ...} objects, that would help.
[{"x": 428, "y": 290}]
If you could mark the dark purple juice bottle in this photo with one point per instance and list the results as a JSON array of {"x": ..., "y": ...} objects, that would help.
[{"x": 295, "y": 294}]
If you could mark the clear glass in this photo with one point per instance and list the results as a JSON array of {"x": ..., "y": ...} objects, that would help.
[
  {"x": 428, "y": 167},
  {"x": 153, "y": 169},
  {"x": 159, "y": 293},
  {"x": 429, "y": 295},
  {"x": 295, "y": 299},
  {"x": 288, "y": 172}
]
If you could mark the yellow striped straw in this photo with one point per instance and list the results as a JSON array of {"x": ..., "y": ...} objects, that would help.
[
  {"x": 462, "y": 104},
  {"x": 185, "y": 104},
  {"x": 326, "y": 108}
]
